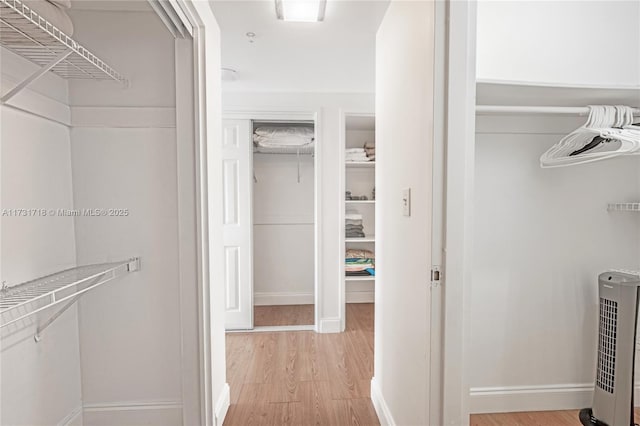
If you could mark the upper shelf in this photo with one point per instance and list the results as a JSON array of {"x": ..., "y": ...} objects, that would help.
[
  {"x": 360, "y": 164},
  {"x": 20, "y": 301},
  {"x": 490, "y": 92},
  {"x": 303, "y": 150},
  {"x": 29, "y": 35}
]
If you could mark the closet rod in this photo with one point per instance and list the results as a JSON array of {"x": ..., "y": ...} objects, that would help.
[{"x": 509, "y": 109}]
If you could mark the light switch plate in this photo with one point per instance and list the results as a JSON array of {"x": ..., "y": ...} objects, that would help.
[{"x": 406, "y": 202}]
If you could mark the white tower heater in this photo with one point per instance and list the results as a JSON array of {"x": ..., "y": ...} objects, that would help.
[{"x": 613, "y": 394}]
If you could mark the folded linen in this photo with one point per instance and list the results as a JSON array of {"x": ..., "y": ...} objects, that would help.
[
  {"x": 357, "y": 274},
  {"x": 353, "y": 216},
  {"x": 279, "y": 132},
  {"x": 354, "y": 150},
  {"x": 359, "y": 254}
]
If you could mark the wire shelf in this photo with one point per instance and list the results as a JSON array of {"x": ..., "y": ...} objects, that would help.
[
  {"x": 20, "y": 301},
  {"x": 624, "y": 207},
  {"x": 302, "y": 150},
  {"x": 29, "y": 35}
]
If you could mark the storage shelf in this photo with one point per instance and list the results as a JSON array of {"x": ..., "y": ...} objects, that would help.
[
  {"x": 20, "y": 301},
  {"x": 360, "y": 278},
  {"x": 366, "y": 239},
  {"x": 29, "y": 35},
  {"x": 624, "y": 207},
  {"x": 360, "y": 201},
  {"x": 360, "y": 164},
  {"x": 303, "y": 150}
]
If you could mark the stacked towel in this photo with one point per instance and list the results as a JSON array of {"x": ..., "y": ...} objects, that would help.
[
  {"x": 360, "y": 263},
  {"x": 355, "y": 155},
  {"x": 370, "y": 150},
  {"x": 353, "y": 225}
]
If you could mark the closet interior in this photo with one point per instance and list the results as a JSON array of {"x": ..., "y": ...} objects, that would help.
[
  {"x": 90, "y": 301},
  {"x": 542, "y": 237},
  {"x": 359, "y": 241},
  {"x": 284, "y": 229}
]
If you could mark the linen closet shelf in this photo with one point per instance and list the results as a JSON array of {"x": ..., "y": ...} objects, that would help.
[
  {"x": 29, "y": 35},
  {"x": 20, "y": 301}
]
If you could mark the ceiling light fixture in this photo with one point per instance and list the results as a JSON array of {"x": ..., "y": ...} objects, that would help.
[{"x": 301, "y": 10}]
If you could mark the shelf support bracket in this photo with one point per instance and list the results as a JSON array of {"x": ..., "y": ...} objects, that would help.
[
  {"x": 47, "y": 323},
  {"x": 36, "y": 75}
]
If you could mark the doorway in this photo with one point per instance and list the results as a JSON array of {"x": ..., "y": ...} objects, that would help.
[{"x": 271, "y": 220}]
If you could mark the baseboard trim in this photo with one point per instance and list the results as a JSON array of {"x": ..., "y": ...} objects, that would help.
[
  {"x": 329, "y": 325},
  {"x": 380, "y": 405},
  {"x": 132, "y": 405},
  {"x": 507, "y": 399},
  {"x": 282, "y": 298},
  {"x": 222, "y": 404},
  {"x": 71, "y": 418},
  {"x": 360, "y": 296}
]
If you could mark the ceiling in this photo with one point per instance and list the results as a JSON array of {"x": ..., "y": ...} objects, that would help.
[
  {"x": 336, "y": 55},
  {"x": 112, "y": 5}
]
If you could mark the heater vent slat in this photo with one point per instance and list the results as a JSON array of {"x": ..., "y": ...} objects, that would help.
[{"x": 605, "y": 375}]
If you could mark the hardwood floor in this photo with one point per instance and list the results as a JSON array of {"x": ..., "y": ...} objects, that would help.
[
  {"x": 303, "y": 378},
  {"x": 539, "y": 418},
  {"x": 283, "y": 315}
]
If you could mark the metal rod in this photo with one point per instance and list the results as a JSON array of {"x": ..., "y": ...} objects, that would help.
[
  {"x": 36, "y": 75},
  {"x": 504, "y": 109}
]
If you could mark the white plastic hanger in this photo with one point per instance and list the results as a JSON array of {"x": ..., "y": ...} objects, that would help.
[{"x": 608, "y": 129}]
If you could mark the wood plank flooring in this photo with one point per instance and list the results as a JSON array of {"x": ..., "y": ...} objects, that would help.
[
  {"x": 283, "y": 315},
  {"x": 539, "y": 418},
  {"x": 303, "y": 378}
]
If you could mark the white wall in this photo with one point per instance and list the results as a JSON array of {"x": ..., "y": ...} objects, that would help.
[
  {"x": 404, "y": 142},
  {"x": 329, "y": 106},
  {"x": 542, "y": 237},
  {"x": 127, "y": 158},
  {"x": 40, "y": 382},
  {"x": 564, "y": 42},
  {"x": 283, "y": 232}
]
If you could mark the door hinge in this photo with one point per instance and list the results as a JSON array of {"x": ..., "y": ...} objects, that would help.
[{"x": 436, "y": 276}]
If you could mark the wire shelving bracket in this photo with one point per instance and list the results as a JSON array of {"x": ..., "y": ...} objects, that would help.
[
  {"x": 624, "y": 207},
  {"x": 23, "y": 300},
  {"x": 27, "y": 34}
]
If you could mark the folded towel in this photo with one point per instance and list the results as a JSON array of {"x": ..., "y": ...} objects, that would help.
[
  {"x": 357, "y": 274},
  {"x": 369, "y": 144},
  {"x": 353, "y": 216},
  {"x": 354, "y": 150},
  {"x": 359, "y": 254}
]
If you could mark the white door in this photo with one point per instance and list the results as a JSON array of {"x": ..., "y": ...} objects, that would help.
[
  {"x": 237, "y": 165},
  {"x": 404, "y": 152}
]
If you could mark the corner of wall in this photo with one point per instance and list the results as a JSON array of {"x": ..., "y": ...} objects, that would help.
[
  {"x": 222, "y": 404},
  {"x": 380, "y": 405}
]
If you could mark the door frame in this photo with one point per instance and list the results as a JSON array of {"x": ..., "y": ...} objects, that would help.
[
  {"x": 297, "y": 114},
  {"x": 459, "y": 136},
  {"x": 205, "y": 393}
]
